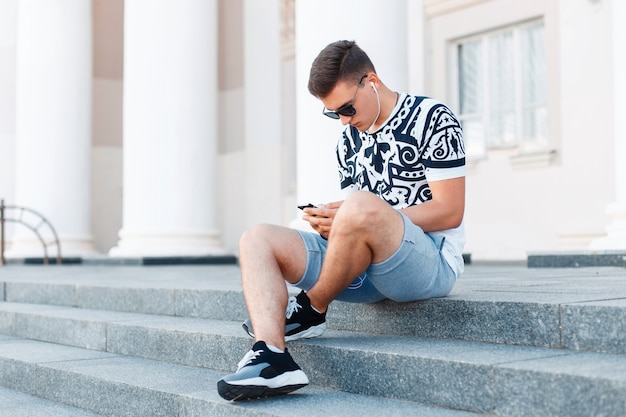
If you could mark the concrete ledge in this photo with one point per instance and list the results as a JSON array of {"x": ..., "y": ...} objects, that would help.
[
  {"x": 433, "y": 351},
  {"x": 17, "y": 404},
  {"x": 110, "y": 384},
  {"x": 595, "y": 326},
  {"x": 514, "y": 322},
  {"x": 41, "y": 261},
  {"x": 580, "y": 309},
  {"x": 475, "y": 377},
  {"x": 576, "y": 259},
  {"x": 145, "y": 261}
]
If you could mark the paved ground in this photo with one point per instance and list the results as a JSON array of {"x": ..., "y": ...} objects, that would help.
[
  {"x": 479, "y": 282},
  {"x": 559, "y": 285}
]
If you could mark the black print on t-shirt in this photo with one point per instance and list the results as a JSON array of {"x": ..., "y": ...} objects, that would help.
[{"x": 422, "y": 137}]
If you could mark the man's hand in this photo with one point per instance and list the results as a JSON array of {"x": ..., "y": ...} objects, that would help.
[{"x": 321, "y": 217}]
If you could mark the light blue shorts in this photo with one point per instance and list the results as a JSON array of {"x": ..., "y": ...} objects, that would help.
[{"x": 416, "y": 271}]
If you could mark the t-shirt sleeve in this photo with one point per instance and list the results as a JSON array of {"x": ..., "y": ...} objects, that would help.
[
  {"x": 444, "y": 155},
  {"x": 344, "y": 151}
]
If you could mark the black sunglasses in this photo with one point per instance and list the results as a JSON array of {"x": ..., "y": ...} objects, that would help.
[{"x": 347, "y": 110}]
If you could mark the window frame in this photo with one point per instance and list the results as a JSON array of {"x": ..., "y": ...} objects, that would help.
[{"x": 520, "y": 142}]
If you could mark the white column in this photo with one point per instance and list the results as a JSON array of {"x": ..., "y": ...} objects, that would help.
[
  {"x": 380, "y": 28},
  {"x": 53, "y": 121},
  {"x": 170, "y": 129},
  {"x": 8, "y": 29},
  {"x": 616, "y": 230}
]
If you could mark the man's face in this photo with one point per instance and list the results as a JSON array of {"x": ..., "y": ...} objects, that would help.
[{"x": 348, "y": 97}]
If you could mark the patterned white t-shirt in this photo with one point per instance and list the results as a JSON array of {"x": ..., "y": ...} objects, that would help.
[{"x": 420, "y": 142}]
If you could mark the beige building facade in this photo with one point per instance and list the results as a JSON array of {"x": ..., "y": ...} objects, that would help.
[{"x": 162, "y": 128}]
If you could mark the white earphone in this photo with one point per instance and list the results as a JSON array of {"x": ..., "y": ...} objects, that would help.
[{"x": 378, "y": 99}]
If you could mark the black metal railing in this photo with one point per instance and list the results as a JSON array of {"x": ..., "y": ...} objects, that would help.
[{"x": 16, "y": 214}]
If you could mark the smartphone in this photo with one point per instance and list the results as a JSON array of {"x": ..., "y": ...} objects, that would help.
[{"x": 305, "y": 206}]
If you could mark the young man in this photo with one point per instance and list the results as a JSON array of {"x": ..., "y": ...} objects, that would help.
[{"x": 398, "y": 233}]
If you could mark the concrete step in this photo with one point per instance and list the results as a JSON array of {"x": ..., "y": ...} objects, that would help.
[
  {"x": 18, "y": 404},
  {"x": 580, "y": 309},
  {"x": 477, "y": 377},
  {"x": 116, "y": 385}
]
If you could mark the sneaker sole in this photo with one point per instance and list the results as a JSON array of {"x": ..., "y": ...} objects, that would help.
[
  {"x": 311, "y": 332},
  {"x": 250, "y": 392},
  {"x": 259, "y": 387}
]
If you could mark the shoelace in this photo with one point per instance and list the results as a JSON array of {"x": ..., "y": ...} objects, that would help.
[
  {"x": 292, "y": 307},
  {"x": 248, "y": 358}
]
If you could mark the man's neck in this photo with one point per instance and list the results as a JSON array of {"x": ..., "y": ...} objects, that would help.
[{"x": 388, "y": 101}]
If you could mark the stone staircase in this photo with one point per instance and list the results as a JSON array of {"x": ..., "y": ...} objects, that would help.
[{"x": 94, "y": 340}]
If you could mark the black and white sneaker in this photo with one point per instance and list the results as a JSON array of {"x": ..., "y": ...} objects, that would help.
[
  {"x": 302, "y": 322},
  {"x": 262, "y": 373}
]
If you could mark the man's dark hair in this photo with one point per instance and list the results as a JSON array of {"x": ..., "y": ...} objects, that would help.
[{"x": 339, "y": 61}]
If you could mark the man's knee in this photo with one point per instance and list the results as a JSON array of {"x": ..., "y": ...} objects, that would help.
[
  {"x": 363, "y": 209},
  {"x": 254, "y": 237}
]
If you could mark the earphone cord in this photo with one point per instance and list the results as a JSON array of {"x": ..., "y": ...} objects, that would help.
[{"x": 377, "y": 114}]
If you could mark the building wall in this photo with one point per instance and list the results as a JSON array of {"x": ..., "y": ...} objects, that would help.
[
  {"x": 107, "y": 140},
  {"x": 587, "y": 128},
  {"x": 231, "y": 129},
  {"x": 7, "y": 99},
  {"x": 257, "y": 173},
  {"x": 256, "y": 127},
  {"x": 548, "y": 199}
]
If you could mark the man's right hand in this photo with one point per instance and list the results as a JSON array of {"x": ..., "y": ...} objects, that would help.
[{"x": 321, "y": 217}]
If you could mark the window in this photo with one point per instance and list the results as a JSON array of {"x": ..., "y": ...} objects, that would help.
[{"x": 501, "y": 82}]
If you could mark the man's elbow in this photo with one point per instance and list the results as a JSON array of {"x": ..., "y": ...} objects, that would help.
[{"x": 455, "y": 219}]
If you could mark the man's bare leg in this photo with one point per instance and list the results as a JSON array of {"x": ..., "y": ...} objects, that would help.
[
  {"x": 269, "y": 256},
  {"x": 365, "y": 230}
]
